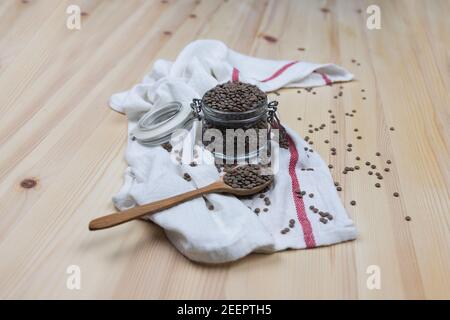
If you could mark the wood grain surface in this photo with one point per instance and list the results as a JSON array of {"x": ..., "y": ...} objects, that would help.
[{"x": 57, "y": 131}]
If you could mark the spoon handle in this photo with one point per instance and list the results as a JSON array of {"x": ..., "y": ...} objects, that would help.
[{"x": 118, "y": 218}]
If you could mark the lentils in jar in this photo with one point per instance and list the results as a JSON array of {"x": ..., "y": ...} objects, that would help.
[
  {"x": 234, "y": 97},
  {"x": 236, "y": 105}
]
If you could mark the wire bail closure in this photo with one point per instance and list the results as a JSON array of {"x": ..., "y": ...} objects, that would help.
[
  {"x": 196, "y": 106},
  {"x": 272, "y": 109}
]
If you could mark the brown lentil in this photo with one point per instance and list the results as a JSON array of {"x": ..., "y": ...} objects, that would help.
[{"x": 323, "y": 220}]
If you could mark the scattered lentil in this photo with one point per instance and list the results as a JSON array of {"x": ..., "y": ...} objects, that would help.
[
  {"x": 167, "y": 146},
  {"x": 323, "y": 220}
]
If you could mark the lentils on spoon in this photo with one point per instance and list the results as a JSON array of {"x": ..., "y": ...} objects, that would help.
[{"x": 246, "y": 177}]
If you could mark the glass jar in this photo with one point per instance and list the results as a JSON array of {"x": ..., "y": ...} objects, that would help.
[{"x": 237, "y": 137}]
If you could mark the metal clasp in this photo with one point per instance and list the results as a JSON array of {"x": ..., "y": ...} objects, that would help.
[
  {"x": 272, "y": 107},
  {"x": 196, "y": 106}
]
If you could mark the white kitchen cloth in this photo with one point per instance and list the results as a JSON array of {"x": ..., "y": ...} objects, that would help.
[{"x": 232, "y": 230}]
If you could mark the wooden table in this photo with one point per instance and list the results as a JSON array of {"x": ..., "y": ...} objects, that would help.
[{"x": 57, "y": 131}]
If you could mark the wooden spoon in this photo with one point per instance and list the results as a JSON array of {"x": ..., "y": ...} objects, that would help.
[{"x": 117, "y": 218}]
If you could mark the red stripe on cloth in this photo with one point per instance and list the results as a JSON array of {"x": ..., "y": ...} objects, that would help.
[
  {"x": 280, "y": 71},
  {"x": 327, "y": 80},
  {"x": 299, "y": 204},
  {"x": 235, "y": 75}
]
